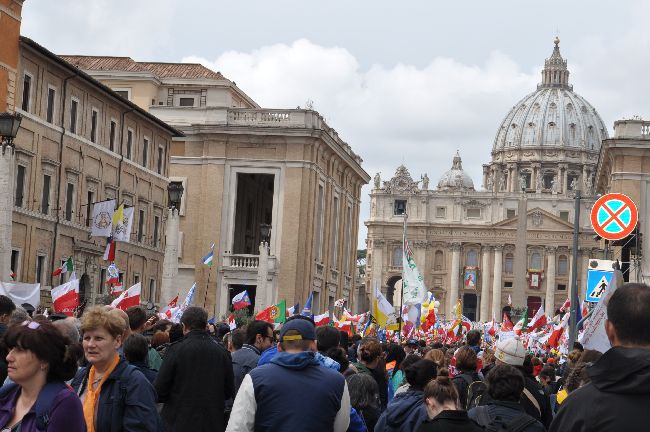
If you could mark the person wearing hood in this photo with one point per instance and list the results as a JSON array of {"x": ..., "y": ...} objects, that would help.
[
  {"x": 292, "y": 392},
  {"x": 407, "y": 411},
  {"x": 618, "y": 396}
]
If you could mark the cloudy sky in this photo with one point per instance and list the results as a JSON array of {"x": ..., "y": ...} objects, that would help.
[{"x": 402, "y": 82}]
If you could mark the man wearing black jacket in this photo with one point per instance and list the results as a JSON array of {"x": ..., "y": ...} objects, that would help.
[
  {"x": 618, "y": 396},
  {"x": 195, "y": 378}
]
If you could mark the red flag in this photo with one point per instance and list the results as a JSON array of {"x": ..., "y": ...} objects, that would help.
[
  {"x": 109, "y": 253},
  {"x": 167, "y": 310},
  {"x": 322, "y": 319},
  {"x": 538, "y": 321},
  {"x": 65, "y": 298},
  {"x": 566, "y": 305},
  {"x": 506, "y": 325},
  {"x": 128, "y": 298}
]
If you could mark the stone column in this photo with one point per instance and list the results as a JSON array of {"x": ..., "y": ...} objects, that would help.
[
  {"x": 550, "y": 281},
  {"x": 455, "y": 271},
  {"x": 537, "y": 173},
  {"x": 263, "y": 295},
  {"x": 485, "y": 284},
  {"x": 564, "y": 187},
  {"x": 496, "y": 282},
  {"x": 170, "y": 262},
  {"x": 6, "y": 208}
]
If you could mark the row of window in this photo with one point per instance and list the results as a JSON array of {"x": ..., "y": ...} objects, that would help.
[
  {"x": 399, "y": 209},
  {"x": 94, "y": 125},
  {"x": 41, "y": 275},
  {"x": 471, "y": 260},
  {"x": 334, "y": 232},
  {"x": 68, "y": 210}
]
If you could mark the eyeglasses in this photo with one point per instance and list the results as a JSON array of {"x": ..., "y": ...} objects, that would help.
[
  {"x": 271, "y": 338},
  {"x": 31, "y": 324}
]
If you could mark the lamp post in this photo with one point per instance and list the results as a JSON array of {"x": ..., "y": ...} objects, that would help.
[
  {"x": 575, "y": 302},
  {"x": 9, "y": 125},
  {"x": 170, "y": 262}
]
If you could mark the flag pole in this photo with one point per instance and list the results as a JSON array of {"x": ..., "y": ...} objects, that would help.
[
  {"x": 207, "y": 287},
  {"x": 401, "y": 297}
]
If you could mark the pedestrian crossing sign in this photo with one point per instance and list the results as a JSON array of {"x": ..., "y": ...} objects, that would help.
[{"x": 599, "y": 275}]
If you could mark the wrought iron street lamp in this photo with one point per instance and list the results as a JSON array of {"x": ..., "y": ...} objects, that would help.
[
  {"x": 175, "y": 193},
  {"x": 9, "y": 125}
]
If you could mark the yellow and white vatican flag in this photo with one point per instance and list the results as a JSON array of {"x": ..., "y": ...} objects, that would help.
[
  {"x": 382, "y": 310},
  {"x": 413, "y": 289},
  {"x": 122, "y": 223}
]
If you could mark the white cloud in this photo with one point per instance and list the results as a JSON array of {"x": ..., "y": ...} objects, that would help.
[{"x": 418, "y": 116}]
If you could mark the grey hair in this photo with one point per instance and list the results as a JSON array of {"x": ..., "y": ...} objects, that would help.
[
  {"x": 68, "y": 327},
  {"x": 364, "y": 392},
  {"x": 18, "y": 316}
]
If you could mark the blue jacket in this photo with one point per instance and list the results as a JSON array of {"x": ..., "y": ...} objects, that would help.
[
  {"x": 244, "y": 360},
  {"x": 356, "y": 422},
  {"x": 404, "y": 413},
  {"x": 127, "y": 401},
  {"x": 293, "y": 388}
]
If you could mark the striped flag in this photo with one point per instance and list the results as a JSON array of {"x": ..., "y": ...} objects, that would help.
[
  {"x": 67, "y": 267},
  {"x": 207, "y": 260}
]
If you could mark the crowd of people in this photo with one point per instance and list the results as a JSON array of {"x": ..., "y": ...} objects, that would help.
[{"x": 112, "y": 370}]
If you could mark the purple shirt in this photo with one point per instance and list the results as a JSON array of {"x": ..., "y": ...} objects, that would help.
[{"x": 66, "y": 413}]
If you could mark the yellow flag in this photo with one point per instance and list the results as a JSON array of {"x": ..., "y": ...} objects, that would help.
[
  {"x": 118, "y": 220},
  {"x": 382, "y": 310},
  {"x": 458, "y": 310}
]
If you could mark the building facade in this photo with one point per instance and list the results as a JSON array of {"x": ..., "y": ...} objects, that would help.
[
  {"x": 81, "y": 143},
  {"x": 624, "y": 167},
  {"x": 513, "y": 238},
  {"x": 276, "y": 190}
]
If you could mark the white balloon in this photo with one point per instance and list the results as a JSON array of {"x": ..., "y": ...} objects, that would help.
[{"x": 436, "y": 304}]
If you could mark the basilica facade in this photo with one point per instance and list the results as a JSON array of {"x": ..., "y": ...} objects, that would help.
[{"x": 512, "y": 237}]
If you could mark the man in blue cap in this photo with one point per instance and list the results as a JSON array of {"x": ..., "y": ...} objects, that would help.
[{"x": 292, "y": 392}]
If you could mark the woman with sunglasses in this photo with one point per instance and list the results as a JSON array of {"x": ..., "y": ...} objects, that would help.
[
  {"x": 40, "y": 360},
  {"x": 115, "y": 395}
]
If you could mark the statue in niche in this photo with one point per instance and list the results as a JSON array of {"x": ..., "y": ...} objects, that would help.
[
  {"x": 490, "y": 182},
  {"x": 574, "y": 184},
  {"x": 588, "y": 185},
  {"x": 522, "y": 183},
  {"x": 502, "y": 182},
  {"x": 377, "y": 181},
  {"x": 555, "y": 185},
  {"x": 539, "y": 183},
  {"x": 425, "y": 181}
]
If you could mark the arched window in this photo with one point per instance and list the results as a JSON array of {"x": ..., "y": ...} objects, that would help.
[
  {"x": 562, "y": 265},
  {"x": 438, "y": 261},
  {"x": 397, "y": 257},
  {"x": 536, "y": 260},
  {"x": 472, "y": 258},
  {"x": 510, "y": 259}
]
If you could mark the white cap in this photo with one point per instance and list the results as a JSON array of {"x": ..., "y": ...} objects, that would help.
[{"x": 511, "y": 352}]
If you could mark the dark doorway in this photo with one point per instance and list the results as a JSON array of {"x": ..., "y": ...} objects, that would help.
[
  {"x": 469, "y": 306},
  {"x": 390, "y": 291},
  {"x": 254, "y": 209},
  {"x": 534, "y": 303},
  {"x": 84, "y": 287},
  {"x": 233, "y": 290}
]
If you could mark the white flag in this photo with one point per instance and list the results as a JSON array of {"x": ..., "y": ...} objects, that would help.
[
  {"x": 124, "y": 235},
  {"x": 189, "y": 298},
  {"x": 413, "y": 289},
  {"x": 21, "y": 293},
  {"x": 102, "y": 223}
]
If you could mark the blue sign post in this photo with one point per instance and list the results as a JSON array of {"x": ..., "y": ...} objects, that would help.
[{"x": 599, "y": 275}]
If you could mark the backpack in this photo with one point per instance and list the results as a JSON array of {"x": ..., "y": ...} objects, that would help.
[
  {"x": 475, "y": 393},
  {"x": 44, "y": 402},
  {"x": 498, "y": 424}
]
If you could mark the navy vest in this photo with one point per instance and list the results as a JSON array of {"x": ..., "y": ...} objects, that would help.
[{"x": 296, "y": 400}]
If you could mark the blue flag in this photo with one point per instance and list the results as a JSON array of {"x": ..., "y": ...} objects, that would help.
[{"x": 306, "y": 311}]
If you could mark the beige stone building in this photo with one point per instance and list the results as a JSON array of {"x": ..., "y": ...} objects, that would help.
[
  {"x": 81, "y": 143},
  {"x": 513, "y": 237},
  {"x": 251, "y": 175},
  {"x": 624, "y": 167}
]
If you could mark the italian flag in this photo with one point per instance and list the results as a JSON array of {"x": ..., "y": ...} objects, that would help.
[
  {"x": 274, "y": 314},
  {"x": 67, "y": 267}
]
